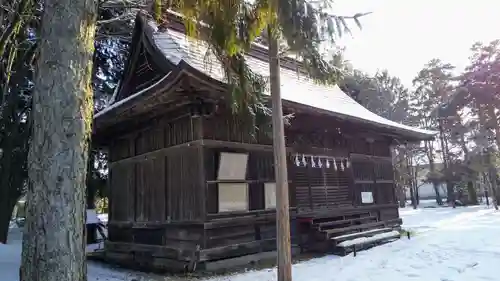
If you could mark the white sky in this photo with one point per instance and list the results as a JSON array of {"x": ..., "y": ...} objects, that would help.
[{"x": 402, "y": 36}]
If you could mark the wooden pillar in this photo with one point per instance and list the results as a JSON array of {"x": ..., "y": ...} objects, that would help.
[{"x": 280, "y": 163}]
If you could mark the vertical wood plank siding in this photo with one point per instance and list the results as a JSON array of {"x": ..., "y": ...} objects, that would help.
[
  {"x": 159, "y": 189},
  {"x": 186, "y": 195}
]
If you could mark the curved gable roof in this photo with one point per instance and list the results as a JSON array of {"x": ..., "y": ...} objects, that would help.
[{"x": 177, "y": 47}]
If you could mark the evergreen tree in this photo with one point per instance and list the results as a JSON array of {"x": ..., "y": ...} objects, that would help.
[{"x": 433, "y": 85}]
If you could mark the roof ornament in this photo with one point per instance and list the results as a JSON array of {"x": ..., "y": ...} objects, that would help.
[
  {"x": 304, "y": 162},
  {"x": 312, "y": 162}
]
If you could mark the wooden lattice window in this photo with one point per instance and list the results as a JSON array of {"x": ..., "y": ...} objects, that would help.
[{"x": 322, "y": 185}]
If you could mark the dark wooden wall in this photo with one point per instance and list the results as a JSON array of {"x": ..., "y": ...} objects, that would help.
[
  {"x": 154, "y": 175},
  {"x": 310, "y": 188},
  {"x": 157, "y": 195}
]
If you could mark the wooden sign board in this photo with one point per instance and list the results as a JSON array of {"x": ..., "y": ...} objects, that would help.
[{"x": 366, "y": 197}]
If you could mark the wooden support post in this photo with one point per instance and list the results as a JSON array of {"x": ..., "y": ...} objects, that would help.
[{"x": 280, "y": 162}]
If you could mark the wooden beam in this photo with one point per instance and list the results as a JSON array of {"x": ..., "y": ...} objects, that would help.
[
  {"x": 235, "y": 250},
  {"x": 344, "y": 210},
  {"x": 224, "y": 144},
  {"x": 356, "y": 156},
  {"x": 157, "y": 153},
  {"x": 155, "y": 224},
  {"x": 175, "y": 251}
]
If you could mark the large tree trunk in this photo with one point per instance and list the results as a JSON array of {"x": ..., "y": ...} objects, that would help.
[
  {"x": 471, "y": 190},
  {"x": 492, "y": 172},
  {"x": 493, "y": 182},
  {"x": 485, "y": 187},
  {"x": 432, "y": 167},
  {"x": 496, "y": 194},
  {"x": 417, "y": 193},
  {"x": 413, "y": 197},
  {"x": 494, "y": 123},
  {"x": 450, "y": 193},
  {"x": 401, "y": 195},
  {"x": 53, "y": 245},
  {"x": 439, "y": 200}
]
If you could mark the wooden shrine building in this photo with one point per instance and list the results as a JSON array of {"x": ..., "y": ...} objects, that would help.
[{"x": 190, "y": 187}]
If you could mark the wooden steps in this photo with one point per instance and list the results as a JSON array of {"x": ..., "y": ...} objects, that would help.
[
  {"x": 356, "y": 221},
  {"x": 355, "y": 242},
  {"x": 345, "y": 237},
  {"x": 324, "y": 233},
  {"x": 353, "y": 229}
]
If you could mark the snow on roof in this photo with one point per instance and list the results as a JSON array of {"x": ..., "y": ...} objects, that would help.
[{"x": 297, "y": 88}]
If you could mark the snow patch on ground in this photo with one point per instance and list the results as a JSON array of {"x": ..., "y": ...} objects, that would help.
[{"x": 447, "y": 245}]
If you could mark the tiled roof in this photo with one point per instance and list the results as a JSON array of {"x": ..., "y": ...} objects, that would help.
[{"x": 177, "y": 47}]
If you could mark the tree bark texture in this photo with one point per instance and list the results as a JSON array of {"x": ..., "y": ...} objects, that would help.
[
  {"x": 54, "y": 243},
  {"x": 450, "y": 189},
  {"x": 492, "y": 171},
  {"x": 471, "y": 190},
  {"x": 496, "y": 193},
  {"x": 493, "y": 182},
  {"x": 280, "y": 164},
  {"x": 435, "y": 186},
  {"x": 401, "y": 195},
  {"x": 429, "y": 151},
  {"x": 413, "y": 197}
]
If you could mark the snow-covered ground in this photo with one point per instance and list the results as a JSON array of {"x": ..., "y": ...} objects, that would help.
[{"x": 448, "y": 245}]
